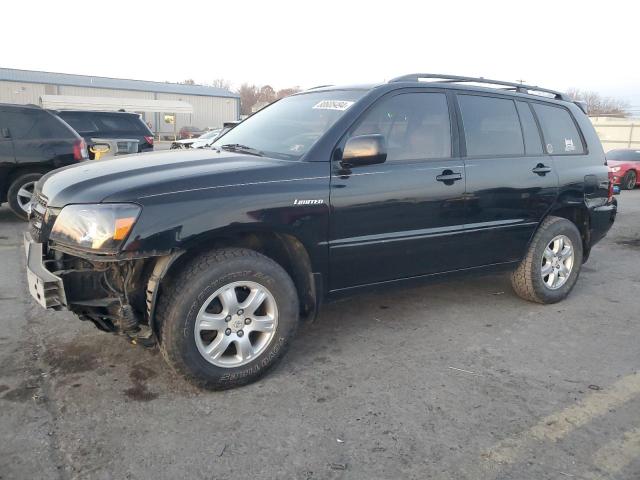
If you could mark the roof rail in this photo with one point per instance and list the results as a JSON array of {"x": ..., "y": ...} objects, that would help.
[
  {"x": 320, "y": 86},
  {"x": 518, "y": 87}
]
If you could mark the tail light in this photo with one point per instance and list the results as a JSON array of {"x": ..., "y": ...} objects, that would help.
[
  {"x": 80, "y": 150},
  {"x": 149, "y": 140},
  {"x": 611, "y": 186}
]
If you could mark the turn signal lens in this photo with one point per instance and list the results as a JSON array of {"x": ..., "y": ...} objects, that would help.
[{"x": 123, "y": 227}]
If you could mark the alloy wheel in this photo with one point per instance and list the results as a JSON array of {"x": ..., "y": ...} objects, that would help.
[
  {"x": 24, "y": 195},
  {"x": 236, "y": 324},
  {"x": 557, "y": 262}
]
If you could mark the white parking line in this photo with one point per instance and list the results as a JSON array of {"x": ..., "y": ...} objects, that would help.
[
  {"x": 558, "y": 425},
  {"x": 619, "y": 453}
]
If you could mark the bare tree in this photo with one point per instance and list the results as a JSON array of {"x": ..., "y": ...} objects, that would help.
[
  {"x": 267, "y": 94},
  {"x": 188, "y": 81},
  {"x": 597, "y": 105},
  {"x": 221, "y": 83},
  {"x": 248, "y": 97},
  {"x": 285, "y": 92}
]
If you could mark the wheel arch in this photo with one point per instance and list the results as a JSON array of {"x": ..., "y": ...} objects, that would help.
[
  {"x": 15, "y": 172},
  {"x": 576, "y": 212},
  {"x": 283, "y": 248}
]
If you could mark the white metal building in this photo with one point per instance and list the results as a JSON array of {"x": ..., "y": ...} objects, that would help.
[{"x": 158, "y": 102}]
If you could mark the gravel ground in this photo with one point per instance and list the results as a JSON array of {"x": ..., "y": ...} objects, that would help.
[{"x": 456, "y": 380}]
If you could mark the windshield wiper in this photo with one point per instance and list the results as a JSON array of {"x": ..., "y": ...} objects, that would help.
[{"x": 237, "y": 147}]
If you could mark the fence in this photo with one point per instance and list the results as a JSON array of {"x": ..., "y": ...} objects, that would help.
[{"x": 617, "y": 132}]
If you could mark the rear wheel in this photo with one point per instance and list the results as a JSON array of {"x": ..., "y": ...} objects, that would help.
[
  {"x": 20, "y": 193},
  {"x": 629, "y": 180},
  {"x": 551, "y": 267},
  {"x": 227, "y": 318}
]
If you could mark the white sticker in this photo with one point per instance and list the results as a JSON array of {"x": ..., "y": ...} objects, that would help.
[
  {"x": 340, "y": 105},
  {"x": 549, "y": 148},
  {"x": 568, "y": 145}
]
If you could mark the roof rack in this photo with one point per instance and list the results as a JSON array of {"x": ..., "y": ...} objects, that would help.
[
  {"x": 442, "y": 78},
  {"x": 320, "y": 86}
]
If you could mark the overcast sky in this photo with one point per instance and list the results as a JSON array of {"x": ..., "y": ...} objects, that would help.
[{"x": 557, "y": 44}]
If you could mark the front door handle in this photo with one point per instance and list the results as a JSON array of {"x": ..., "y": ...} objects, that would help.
[
  {"x": 541, "y": 169},
  {"x": 448, "y": 177}
]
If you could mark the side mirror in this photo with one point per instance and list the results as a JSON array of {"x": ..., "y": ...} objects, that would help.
[{"x": 364, "y": 150}]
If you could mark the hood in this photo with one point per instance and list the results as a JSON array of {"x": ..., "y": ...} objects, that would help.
[{"x": 133, "y": 177}]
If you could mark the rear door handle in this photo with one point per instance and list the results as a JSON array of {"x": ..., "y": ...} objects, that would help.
[
  {"x": 541, "y": 169},
  {"x": 448, "y": 177}
]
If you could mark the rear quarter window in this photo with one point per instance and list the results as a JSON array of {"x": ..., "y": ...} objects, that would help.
[{"x": 561, "y": 136}]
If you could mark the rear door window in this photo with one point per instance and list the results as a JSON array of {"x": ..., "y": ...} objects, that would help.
[
  {"x": 415, "y": 126},
  {"x": 491, "y": 126},
  {"x": 560, "y": 133},
  {"x": 532, "y": 140}
]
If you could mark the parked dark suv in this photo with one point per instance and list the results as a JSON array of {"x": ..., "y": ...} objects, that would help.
[
  {"x": 32, "y": 143},
  {"x": 219, "y": 254},
  {"x": 123, "y": 125}
]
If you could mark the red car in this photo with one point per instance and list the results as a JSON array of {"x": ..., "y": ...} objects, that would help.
[
  {"x": 624, "y": 166},
  {"x": 190, "y": 132}
]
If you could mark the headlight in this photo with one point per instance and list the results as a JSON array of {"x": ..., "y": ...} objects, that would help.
[
  {"x": 102, "y": 227},
  {"x": 615, "y": 169}
]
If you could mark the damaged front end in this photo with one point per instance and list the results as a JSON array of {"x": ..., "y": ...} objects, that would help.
[{"x": 74, "y": 263}]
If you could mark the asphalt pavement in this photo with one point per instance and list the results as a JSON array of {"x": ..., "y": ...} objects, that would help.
[{"x": 455, "y": 380}]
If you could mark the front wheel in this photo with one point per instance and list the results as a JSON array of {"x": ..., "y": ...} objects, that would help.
[
  {"x": 551, "y": 267},
  {"x": 629, "y": 180},
  {"x": 227, "y": 318},
  {"x": 20, "y": 193}
]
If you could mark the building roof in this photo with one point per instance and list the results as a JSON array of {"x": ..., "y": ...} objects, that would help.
[{"x": 32, "y": 76}]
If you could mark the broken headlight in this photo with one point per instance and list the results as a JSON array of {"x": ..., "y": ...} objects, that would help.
[{"x": 102, "y": 227}]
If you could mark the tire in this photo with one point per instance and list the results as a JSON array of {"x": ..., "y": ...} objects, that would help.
[
  {"x": 16, "y": 194},
  {"x": 629, "y": 180},
  {"x": 181, "y": 308},
  {"x": 528, "y": 280}
]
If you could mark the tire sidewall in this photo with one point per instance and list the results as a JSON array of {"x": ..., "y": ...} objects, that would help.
[
  {"x": 562, "y": 227},
  {"x": 184, "y": 313},
  {"x": 13, "y": 189}
]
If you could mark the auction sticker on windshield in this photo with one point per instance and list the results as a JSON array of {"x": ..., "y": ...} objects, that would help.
[{"x": 333, "y": 105}]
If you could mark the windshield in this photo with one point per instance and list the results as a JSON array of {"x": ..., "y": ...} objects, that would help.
[{"x": 288, "y": 128}]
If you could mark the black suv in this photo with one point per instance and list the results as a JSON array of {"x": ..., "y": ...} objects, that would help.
[
  {"x": 122, "y": 125},
  {"x": 219, "y": 254},
  {"x": 32, "y": 143}
]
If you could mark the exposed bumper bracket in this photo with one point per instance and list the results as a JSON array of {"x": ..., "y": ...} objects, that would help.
[{"x": 45, "y": 287}]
